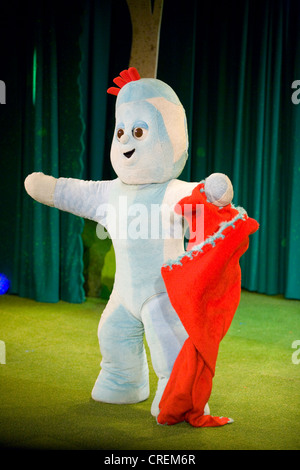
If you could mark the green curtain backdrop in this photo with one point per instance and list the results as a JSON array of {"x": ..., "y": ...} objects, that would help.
[
  {"x": 232, "y": 65},
  {"x": 41, "y": 249}
]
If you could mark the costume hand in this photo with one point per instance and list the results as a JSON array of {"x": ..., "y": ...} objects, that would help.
[
  {"x": 218, "y": 189},
  {"x": 41, "y": 187}
]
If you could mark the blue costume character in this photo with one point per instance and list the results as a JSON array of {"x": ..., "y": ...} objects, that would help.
[{"x": 148, "y": 153}]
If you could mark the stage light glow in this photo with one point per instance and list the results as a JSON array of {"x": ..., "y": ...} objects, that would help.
[{"x": 4, "y": 284}]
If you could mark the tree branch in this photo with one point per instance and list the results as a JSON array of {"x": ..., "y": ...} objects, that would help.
[{"x": 145, "y": 35}]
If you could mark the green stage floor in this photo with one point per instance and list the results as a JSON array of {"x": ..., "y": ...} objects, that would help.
[{"x": 52, "y": 362}]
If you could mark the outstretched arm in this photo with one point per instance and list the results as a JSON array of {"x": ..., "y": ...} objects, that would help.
[{"x": 78, "y": 197}]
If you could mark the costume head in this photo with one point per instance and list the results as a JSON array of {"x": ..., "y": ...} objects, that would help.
[{"x": 150, "y": 141}]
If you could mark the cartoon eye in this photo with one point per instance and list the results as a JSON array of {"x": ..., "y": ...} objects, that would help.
[
  {"x": 139, "y": 133},
  {"x": 120, "y": 132}
]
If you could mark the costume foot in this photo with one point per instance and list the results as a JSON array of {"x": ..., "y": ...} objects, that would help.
[
  {"x": 119, "y": 398},
  {"x": 108, "y": 392}
]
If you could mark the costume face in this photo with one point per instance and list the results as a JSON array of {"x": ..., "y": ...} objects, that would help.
[{"x": 150, "y": 139}]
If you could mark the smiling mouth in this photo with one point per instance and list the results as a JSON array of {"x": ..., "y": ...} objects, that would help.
[{"x": 129, "y": 154}]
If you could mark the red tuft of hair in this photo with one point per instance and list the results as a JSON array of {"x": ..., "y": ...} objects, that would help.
[{"x": 126, "y": 76}]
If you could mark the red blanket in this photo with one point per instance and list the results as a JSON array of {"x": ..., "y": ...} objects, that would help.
[{"x": 204, "y": 288}]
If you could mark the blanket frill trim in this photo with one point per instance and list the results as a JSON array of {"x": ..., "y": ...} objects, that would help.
[{"x": 218, "y": 235}]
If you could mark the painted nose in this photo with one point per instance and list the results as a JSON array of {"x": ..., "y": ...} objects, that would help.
[{"x": 124, "y": 139}]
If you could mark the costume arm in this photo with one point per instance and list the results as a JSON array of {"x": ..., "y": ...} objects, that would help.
[{"x": 81, "y": 198}]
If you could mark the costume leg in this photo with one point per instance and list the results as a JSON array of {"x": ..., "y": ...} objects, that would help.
[
  {"x": 165, "y": 336},
  {"x": 124, "y": 375}
]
